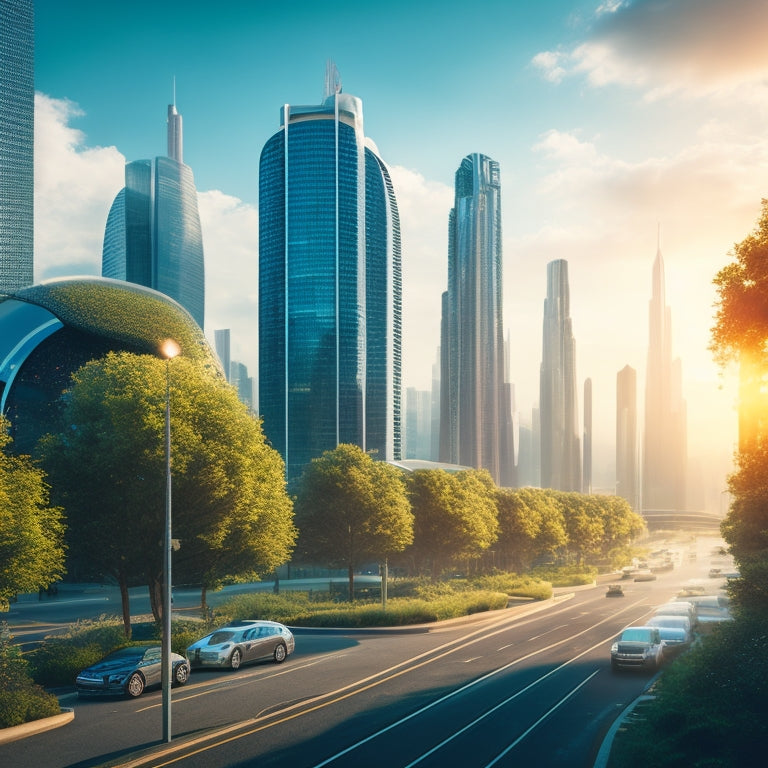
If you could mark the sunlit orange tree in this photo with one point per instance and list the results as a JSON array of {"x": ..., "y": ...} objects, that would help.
[{"x": 740, "y": 337}]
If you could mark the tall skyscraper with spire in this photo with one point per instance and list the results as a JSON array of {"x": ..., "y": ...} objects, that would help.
[
  {"x": 475, "y": 427},
  {"x": 330, "y": 285},
  {"x": 665, "y": 451},
  {"x": 558, "y": 399},
  {"x": 17, "y": 114},
  {"x": 153, "y": 235}
]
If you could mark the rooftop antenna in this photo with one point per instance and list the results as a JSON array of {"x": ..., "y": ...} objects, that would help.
[
  {"x": 332, "y": 80},
  {"x": 175, "y": 136}
]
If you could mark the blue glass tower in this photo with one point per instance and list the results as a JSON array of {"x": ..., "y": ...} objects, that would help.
[
  {"x": 17, "y": 112},
  {"x": 476, "y": 427},
  {"x": 329, "y": 286},
  {"x": 153, "y": 235}
]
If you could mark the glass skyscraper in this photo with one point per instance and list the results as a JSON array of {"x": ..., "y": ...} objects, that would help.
[
  {"x": 560, "y": 442},
  {"x": 476, "y": 419},
  {"x": 330, "y": 286},
  {"x": 17, "y": 113},
  {"x": 153, "y": 235}
]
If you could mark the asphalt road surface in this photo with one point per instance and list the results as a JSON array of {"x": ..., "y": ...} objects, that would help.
[{"x": 525, "y": 686}]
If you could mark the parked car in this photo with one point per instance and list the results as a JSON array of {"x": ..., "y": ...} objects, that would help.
[
  {"x": 241, "y": 642},
  {"x": 676, "y": 641},
  {"x": 679, "y": 608},
  {"x": 677, "y": 621},
  {"x": 130, "y": 671},
  {"x": 638, "y": 648}
]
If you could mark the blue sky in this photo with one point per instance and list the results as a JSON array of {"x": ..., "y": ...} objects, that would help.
[{"x": 609, "y": 120}]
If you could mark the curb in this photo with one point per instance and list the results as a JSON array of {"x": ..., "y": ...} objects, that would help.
[{"x": 16, "y": 732}]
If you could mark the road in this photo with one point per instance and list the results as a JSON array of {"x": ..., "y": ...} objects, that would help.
[{"x": 525, "y": 686}]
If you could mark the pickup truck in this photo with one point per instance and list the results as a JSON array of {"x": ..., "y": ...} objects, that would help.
[{"x": 637, "y": 648}]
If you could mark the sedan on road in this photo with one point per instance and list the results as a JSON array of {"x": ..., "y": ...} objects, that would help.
[
  {"x": 129, "y": 671},
  {"x": 241, "y": 642}
]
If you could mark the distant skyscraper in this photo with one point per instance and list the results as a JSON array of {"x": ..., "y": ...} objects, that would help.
[
  {"x": 626, "y": 436},
  {"x": 222, "y": 339},
  {"x": 239, "y": 378},
  {"x": 153, "y": 235},
  {"x": 665, "y": 447},
  {"x": 418, "y": 423},
  {"x": 560, "y": 444},
  {"x": 475, "y": 423},
  {"x": 330, "y": 285},
  {"x": 17, "y": 113},
  {"x": 586, "y": 474}
]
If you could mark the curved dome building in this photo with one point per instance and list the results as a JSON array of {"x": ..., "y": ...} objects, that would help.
[{"x": 49, "y": 330}]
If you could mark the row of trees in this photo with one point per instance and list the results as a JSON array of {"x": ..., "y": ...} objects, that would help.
[
  {"x": 232, "y": 514},
  {"x": 351, "y": 510}
]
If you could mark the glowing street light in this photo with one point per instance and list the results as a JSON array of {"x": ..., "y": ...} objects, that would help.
[{"x": 168, "y": 349}]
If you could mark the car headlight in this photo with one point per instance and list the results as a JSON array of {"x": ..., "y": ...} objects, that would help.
[{"x": 615, "y": 648}]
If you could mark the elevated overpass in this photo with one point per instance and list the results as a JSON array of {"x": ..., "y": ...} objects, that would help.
[{"x": 686, "y": 520}]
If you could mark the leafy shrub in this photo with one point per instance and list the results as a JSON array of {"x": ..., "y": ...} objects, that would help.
[
  {"x": 20, "y": 699},
  {"x": 708, "y": 705},
  {"x": 566, "y": 575}
]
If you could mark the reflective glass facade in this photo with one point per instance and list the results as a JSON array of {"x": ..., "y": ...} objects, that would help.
[
  {"x": 153, "y": 235},
  {"x": 17, "y": 109},
  {"x": 329, "y": 288},
  {"x": 476, "y": 420}
]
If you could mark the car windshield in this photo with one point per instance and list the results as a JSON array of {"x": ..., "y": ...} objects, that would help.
[
  {"x": 636, "y": 635},
  {"x": 220, "y": 637}
]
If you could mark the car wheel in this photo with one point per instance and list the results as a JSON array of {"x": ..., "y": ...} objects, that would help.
[
  {"x": 235, "y": 659},
  {"x": 135, "y": 685},
  {"x": 180, "y": 674},
  {"x": 280, "y": 653}
]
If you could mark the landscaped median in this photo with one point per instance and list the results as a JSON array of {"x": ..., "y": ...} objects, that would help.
[{"x": 33, "y": 727}]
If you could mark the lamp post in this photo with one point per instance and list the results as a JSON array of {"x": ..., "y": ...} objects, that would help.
[{"x": 169, "y": 350}]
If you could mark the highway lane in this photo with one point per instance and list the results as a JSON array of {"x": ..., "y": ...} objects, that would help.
[{"x": 500, "y": 689}]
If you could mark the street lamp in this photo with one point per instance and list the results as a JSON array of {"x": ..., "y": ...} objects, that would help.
[{"x": 168, "y": 349}]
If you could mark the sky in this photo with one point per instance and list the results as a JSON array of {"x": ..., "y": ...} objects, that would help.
[{"x": 620, "y": 127}]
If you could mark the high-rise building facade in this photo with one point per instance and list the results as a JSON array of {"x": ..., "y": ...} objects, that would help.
[
  {"x": 626, "y": 436},
  {"x": 665, "y": 451},
  {"x": 586, "y": 463},
  {"x": 17, "y": 115},
  {"x": 558, "y": 399},
  {"x": 222, "y": 339},
  {"x": 330, "y": 285},
  {"x": 475, "y": 424},
  {"x": 153, "y": 235}
]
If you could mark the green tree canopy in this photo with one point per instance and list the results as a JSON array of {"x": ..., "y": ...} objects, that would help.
[
  {"x": 230, "y": 509},
  {"x": 455, "y": 516},
  {"x": 31, "y": 531},
  {"x": 351, "y": 509}
]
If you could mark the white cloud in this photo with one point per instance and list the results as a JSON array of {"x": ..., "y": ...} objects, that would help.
[
  {"x": 424, "y": 207},
  {"x": 231, "y": 242},
  {"x": 665, "y": 47},
  {"x": 74, "y": 188}
]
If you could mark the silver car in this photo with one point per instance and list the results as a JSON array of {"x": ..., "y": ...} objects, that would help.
[{"x": 241, "y": 642}]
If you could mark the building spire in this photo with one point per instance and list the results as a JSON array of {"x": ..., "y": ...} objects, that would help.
[
  {"x": 175, "y": 137},
  {"x": 332, "y": 80}
]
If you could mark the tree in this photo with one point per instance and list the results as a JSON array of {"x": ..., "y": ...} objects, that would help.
[
  {"x": 31, "y": 531},
  {"x": 107, "y": 465},
  {"x": 740, "y": 335},
  {"x": 531, "y": 525},
  {"x": 455, "y": 516},
  {"x": 351, "y": 509}
]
